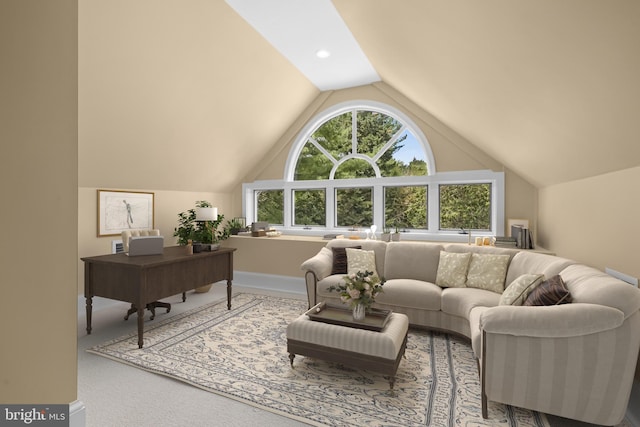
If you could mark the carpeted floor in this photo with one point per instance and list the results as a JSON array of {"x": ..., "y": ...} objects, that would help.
[
  {"x": 241, "y": 354},
  {"x": 117, "y": 394}
]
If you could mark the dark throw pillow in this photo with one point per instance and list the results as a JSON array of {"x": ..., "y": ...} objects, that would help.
[
  {"x": 340, "y": 260},
  {"x": 550, "y": 292}
]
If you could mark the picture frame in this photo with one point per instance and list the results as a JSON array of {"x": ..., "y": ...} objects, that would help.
[{"x": 120, "y": 210}]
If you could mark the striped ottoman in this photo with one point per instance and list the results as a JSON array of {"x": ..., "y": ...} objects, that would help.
[{"x": 376, "y": 351}]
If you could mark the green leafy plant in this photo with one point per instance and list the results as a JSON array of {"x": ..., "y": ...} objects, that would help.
[
  {"x": 234, "y": 225},
  {"x": 199, "y": 231}
]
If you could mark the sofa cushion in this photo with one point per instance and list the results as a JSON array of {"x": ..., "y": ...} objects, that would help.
[
  {"x": 550, "y": 292},
  {"x": 322, "y": 287},
  {"x": 340, "y": 259},
  {"x": 519, "y": 289},
  {"x": 411, "y": 293},
  {"x": 527, "y": 262},
  {"x": 360, "y": 260},
  {"x": 460, "y": 301},
  {"x": 412, "y": 260},
  {"x": 452, "y": 269},
  {"x": 488, "y": 271}
]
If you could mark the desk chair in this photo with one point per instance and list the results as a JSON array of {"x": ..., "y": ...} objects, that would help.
[{"x": 126, "y": 236}]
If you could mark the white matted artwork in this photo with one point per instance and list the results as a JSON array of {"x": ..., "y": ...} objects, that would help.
[{"x": 124, "y": 210}]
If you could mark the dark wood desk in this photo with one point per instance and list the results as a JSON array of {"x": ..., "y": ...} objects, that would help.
[{"x": 144, "y": 279}]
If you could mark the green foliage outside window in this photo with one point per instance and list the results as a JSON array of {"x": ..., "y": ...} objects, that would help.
[
  {"x": 355, "y": 207},
  {"x": 405, "y": 208},
  {"x": 465, "y": 206},
  {"x": 271, "y": 203},
  {"x": 309, "y": 207}
]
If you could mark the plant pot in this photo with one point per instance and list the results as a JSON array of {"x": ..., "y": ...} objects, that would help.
[
  {"x": 203, "y": 289},
  {"x": 395, "y": 237},
  {"x": 385, "y": 237}
]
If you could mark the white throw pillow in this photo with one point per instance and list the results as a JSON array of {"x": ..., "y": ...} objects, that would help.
[
  {"x": 452, "y": 269},
  {"x": 488, "y": 271},
  {"x": 360, "y": 260},
  {"x": 520, "y": 288}
]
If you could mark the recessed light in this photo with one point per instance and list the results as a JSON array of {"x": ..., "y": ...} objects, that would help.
[{"x": 323, "y": 53}]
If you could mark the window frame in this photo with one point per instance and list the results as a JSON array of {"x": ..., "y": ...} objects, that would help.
[{"x": 433, "y": 180}]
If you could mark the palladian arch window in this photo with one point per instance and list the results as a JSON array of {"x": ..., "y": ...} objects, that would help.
[{"x": 363, "y": 163}]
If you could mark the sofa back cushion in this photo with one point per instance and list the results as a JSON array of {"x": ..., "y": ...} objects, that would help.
[
  {"x": 412, "y": 260},
  {"x": 377, "y": 246},
  {"x": 592, "y": 286},
  {"x": 527, "y": 262}
]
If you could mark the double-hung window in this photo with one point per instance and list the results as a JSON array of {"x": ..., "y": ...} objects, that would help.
[{"x": 364, "y": 163}]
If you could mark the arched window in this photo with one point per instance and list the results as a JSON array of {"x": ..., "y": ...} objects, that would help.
[{"x": 363, "y": 163}]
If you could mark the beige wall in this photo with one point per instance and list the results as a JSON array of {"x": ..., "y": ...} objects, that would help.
[
  {"x": 594, "y": 220},
  {"x": 38, "y": 183},
  {"x": 167, "y": 204}
]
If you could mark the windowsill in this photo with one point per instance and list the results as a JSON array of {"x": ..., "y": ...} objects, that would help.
[
  {"x": 407, "y": 237},
  {"x": 318, "y": 235}
]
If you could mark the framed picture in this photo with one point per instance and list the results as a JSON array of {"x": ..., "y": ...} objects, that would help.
[{"x": 124, "y": 210}]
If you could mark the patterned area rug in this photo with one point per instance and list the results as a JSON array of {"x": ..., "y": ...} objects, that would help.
[{"x": 242, "y": 354}]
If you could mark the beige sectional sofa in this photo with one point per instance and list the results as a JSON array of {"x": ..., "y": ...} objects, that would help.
[{"x": 576, "y": 360}]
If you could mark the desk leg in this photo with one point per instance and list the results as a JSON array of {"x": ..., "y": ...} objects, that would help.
[
  {"x": 228, "y": 294},
  {"x": 89, "y": 311},
  {"x": 140, "y": 326}
]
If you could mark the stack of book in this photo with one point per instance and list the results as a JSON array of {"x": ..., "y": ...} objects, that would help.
[
  {"x": 522, "y": 236},
  {"x": 505, "y": 242}
]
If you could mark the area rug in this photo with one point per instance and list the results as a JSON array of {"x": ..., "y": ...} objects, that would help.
[{"x": 241, "y": 353}]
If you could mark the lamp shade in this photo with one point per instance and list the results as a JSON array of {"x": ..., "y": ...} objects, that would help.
[{"x": 206, "y": 214}]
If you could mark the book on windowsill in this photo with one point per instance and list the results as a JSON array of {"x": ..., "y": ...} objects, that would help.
[
  {"x": 332, "y": 236},
  {"x": 505, "y": 242}
]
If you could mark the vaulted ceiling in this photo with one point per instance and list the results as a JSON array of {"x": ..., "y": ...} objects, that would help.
[{"x": 548, "y": 88}]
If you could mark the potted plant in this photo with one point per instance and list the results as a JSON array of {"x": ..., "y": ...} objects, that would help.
[
  {"x": 204, "y": 235},
  {"x": 200, "y": 232},
  {"x": 234, "y": 226},
  {"x": 386, "y": 234}
]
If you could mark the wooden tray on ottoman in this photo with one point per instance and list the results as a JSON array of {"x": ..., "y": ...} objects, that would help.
[{"x": 375, "y": 320}]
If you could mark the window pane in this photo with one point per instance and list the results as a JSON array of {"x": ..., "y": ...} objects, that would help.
[
  {"x": 355, "y": 168},
  {"x": 270, "y": 206},
  {"x": 334, "y": 135},
  {"x": 374, "y": 131},
  {"x": 354, "y": 207},
  {"x": 406, "y": 157},
  {"x": 312, "y": 164},
  {"x": 405, "y": 208},
  {"x": 309, "y": 207},
  {"x": 466, "y": 206}
]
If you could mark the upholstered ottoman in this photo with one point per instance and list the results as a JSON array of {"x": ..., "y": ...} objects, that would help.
[{"x": 376, "y": 351}]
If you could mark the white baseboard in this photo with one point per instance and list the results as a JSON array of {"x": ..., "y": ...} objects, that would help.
[
  {"x": 271, "y": 282},
  {"x": 77, "y": 414}
]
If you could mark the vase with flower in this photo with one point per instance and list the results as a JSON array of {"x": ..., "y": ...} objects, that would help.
[{"x": 359, "y": 290}]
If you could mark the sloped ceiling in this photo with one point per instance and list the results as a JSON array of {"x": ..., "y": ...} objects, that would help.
[
  {"x": 178, "y": 95},
  {"x": 548, "y": 88}
]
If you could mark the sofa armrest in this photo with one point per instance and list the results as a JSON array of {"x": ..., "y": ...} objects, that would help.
[
  {"x": 566, "y": 320},
  {"x": 320, "y": 264}
]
